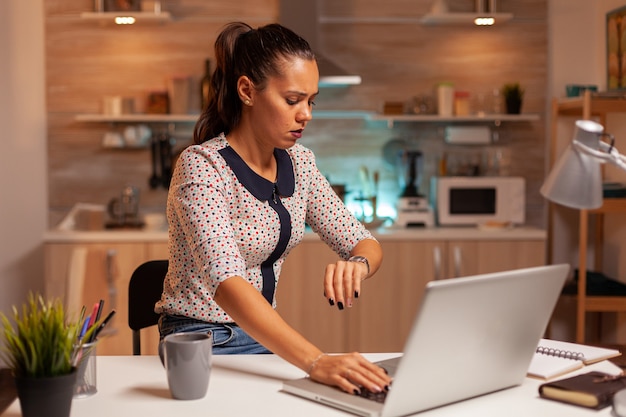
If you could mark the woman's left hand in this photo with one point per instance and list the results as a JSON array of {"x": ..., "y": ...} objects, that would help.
[{"x": 342, "y": 282}]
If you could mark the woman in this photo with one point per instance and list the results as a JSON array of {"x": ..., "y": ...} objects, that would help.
[{"x": 238, "y": 203}]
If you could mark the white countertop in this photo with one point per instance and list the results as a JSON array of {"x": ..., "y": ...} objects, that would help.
[
  {"x": 250, "y": 385},
  {"x": 382, "y": 234}
]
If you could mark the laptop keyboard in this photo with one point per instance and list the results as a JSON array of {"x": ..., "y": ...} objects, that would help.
[{"x": 374, "y": 396}]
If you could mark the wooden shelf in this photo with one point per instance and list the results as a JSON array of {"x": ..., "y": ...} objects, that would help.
[
  {"x": 192, "y": 118},
  {"x": 140, "y": 17},
  {"x": 318, "y": 115},
  {"x": 597, "y": 105},
  {"x": 433, "y": 118},
  {"x": 611, "y": 205},
  {"x": 463, "y": 18},
  {"x": 137, "y": 118}
]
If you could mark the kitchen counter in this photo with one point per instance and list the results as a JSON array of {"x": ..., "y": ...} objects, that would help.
[{"x": 382, "y": 234}]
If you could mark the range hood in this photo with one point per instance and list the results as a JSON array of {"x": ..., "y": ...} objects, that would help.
[{"x": 302, "y": 16}]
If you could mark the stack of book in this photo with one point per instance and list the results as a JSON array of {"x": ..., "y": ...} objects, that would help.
[{"x": 554, "y": 360}]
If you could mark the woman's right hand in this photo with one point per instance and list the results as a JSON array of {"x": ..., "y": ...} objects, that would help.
[{"x": 351, "y": 372}]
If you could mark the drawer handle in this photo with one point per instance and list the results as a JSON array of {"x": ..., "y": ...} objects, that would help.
[
  {"x": 457, "y": 261},
  {"x": 437, "y": 262}
]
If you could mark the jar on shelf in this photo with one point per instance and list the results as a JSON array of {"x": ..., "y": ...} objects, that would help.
[
  {"x": 445, "y": 99},
  {"x": 461, "y": 103}
]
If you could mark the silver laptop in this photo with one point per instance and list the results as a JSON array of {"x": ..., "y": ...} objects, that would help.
[{"x": 471, "y": 336}]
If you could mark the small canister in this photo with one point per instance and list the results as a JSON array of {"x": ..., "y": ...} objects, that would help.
[
  {"x": 461, "y": 103},
  {"x": 445, "y": 99}
]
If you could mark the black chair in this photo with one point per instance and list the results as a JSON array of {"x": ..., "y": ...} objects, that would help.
[{"x": 144, "y": 290}]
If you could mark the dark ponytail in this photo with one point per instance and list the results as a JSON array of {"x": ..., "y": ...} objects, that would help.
[{"x": 242, "y": 50}]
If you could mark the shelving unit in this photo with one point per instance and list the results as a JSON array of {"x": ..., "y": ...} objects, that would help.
[
  {"x": 320, "y": 115},
  {"x": 589, "y": 106}
]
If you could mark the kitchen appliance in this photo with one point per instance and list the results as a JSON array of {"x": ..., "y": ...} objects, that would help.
[
  {"x": 413, "y": 208},
  {"x": 124, "y": 211},
  {"x": 475, "y": 201}
]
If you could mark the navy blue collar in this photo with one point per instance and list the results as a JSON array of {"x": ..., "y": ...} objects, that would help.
[{"x": 258, "y": 186}]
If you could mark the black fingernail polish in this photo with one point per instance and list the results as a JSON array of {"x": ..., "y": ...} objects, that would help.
[
  {"x": 331, "y": 302},
  {"x": 386, "y": 387},
  {"x": 356, "y": 294},
  {"x": 340, "y": 305},
  {"x": 356, "y": 392}
]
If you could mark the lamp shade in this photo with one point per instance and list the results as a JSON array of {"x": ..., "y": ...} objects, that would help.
[{"x": 576, "y": 179}]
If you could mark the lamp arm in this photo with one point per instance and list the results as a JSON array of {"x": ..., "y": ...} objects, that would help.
[{"x": 607, "y": 153}]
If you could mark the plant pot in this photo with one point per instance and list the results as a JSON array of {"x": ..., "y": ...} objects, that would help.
[
  {"x": 513, "y": 105},
  {"x": 46, "y": 396}
]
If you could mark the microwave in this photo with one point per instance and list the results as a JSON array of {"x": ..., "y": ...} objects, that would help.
[{"x": 473, "y": 201}]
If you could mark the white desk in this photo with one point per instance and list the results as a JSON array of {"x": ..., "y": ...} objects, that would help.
[{"x": 249, "y": 385}]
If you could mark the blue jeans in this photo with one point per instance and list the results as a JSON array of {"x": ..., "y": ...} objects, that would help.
[{"x": 228, "y": 338}]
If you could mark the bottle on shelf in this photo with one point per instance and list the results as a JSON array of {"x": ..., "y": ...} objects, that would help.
[{"x": 204, "y": 85}]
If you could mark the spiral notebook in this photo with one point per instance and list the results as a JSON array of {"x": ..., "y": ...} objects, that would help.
[
  {"x": 471, "y": 336},
  {"x": 554, "y": 358}
]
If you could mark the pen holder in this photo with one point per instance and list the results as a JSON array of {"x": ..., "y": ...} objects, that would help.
[{"x": 86, "y": 372}]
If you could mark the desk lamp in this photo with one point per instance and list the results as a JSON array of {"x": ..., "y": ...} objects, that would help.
[{"x": 576, "y": 180}]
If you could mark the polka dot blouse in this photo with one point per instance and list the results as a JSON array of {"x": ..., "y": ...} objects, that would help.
[{"x": 225, "y": 221}]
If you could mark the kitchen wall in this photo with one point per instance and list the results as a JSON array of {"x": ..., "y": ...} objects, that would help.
[
  {"x": 23, "y": 188},
  {"x": 396, "y": 56}
]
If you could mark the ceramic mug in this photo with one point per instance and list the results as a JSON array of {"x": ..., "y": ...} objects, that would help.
[{"x": 187, "y": 362}]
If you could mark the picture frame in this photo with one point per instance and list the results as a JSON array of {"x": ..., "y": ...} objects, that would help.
[
  {"x": 616, "y": 49},
  {"x": 122, "y": 5}
]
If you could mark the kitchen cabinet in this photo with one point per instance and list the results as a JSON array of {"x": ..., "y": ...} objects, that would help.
[
  {"x": 82, "y": 267},
  {"x": 470, "y": 257},
  {"x": 381, "y": 317},
  {"x": 83, "y": 273}
]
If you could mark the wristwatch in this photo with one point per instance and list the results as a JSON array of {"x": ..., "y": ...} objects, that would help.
[{"x": 360, "y": 259}]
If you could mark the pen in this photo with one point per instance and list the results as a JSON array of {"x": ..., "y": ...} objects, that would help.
[
  {"x": 100, "y": 305},
  {"x": 94, "y": 313},
  {"x": 84, "y": 329},
  {"x": 98, "y": 314},
  {"x": 104, "y": 323}
]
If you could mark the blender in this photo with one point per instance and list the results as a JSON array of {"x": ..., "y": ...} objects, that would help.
[{"x": 413, "y": 207}]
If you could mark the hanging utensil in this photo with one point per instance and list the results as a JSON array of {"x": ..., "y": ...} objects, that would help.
[
  {"x": 165, "y": 145},
  {"x": 154, "y": 180}
]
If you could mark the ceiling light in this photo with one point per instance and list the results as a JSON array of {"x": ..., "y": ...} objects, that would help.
[
  {"x": 124, "y": 20},
  {"x": 484, "y": 21}
]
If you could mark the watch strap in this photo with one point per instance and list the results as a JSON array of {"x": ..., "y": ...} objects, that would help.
[{"x": 360, "y": 259}]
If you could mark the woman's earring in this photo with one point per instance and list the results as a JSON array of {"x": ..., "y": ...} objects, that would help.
[{"x": 247, "y": 102}]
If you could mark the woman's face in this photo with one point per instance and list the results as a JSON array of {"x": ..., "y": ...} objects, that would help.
[{"x": 283, "y": 108}]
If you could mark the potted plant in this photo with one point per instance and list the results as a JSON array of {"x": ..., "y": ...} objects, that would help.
[
  {"x": 41, "y": 346},
  {"x": 513, "y": 94}
]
